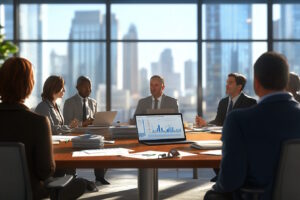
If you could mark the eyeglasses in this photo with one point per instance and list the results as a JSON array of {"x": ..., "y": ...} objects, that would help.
[{"x": 173, "y": 153}]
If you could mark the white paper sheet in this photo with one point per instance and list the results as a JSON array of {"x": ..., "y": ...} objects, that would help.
[
  {"x": 155, "y": 154},
  {"x": 212, "y": 152},
  {"x": 102, "y": 152},
  {"x": 62, "y": 138}
]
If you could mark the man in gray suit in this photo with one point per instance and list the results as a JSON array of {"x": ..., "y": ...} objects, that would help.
[
  {"x": 83, "y": 108},
  {"x": 157, "y": 100}
]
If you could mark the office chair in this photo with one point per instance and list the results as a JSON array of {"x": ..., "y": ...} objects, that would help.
[
  {"x": 286, "y": 185},
  {"x": 14, "y": 175}
]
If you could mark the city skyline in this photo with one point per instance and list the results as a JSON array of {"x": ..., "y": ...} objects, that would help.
[{"x": 173, "y": 60}]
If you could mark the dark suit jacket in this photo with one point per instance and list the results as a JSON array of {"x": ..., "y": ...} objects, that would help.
[
  {"x": 243, "y": 101},
  {"x": 166, "y": 103},
  {"x": 19, "y": 124},
  {"x": 252, "y": 140}
]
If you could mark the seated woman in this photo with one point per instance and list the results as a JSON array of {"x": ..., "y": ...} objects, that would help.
[
  {"x": 54, "y": 89},
  {"x": 19, "y": 124}
]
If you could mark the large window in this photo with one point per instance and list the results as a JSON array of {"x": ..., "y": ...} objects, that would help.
[
  {"x": 193, "y": 44},
  {"x": 286, "y": 31},
  {"x": 66, "y": 40},
  {"x": 6, "y": 18},
  {"x": 230, "y": 33},
  {"x": 153, "y": 39}
]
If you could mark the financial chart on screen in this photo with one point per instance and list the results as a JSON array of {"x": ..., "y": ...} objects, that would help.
[{"x": 157, "y": 127}]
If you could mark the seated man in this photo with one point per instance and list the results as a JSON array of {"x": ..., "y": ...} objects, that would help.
[
  {"x": 236, "y": 99},
  {"x": 83, "y": 108},
  {"x": 157, "y": 100},
  {"x": 294, "y": 85},
  {"x": 252, "y": 137}
]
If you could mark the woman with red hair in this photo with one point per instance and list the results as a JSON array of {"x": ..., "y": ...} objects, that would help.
[{"x": 19, "y": 124}]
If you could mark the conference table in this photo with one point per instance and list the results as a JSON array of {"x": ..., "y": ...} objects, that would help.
[{"x": 147, "y": 168}]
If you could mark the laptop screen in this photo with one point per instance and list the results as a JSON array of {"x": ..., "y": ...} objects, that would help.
[{"x": 153, "y": 127}]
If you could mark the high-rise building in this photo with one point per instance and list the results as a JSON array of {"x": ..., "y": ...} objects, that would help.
[
  {"x": 287, "y": 27},
  {"x": 226, "y": 22},
  {"x": 32, "y": 27},
  {"x": 143, "y": 82},
  {"x": 190, "y": 75},
  {"x": 85, "y": 57},
  {"x": 172, "y": 79},
  {"x": 130, "y": 61},
  {"x": 114, "y": 27}
]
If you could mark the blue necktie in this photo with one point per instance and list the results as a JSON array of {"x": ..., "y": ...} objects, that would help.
[{"x": 230, "y": 107}]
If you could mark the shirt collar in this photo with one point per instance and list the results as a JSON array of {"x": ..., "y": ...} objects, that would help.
[
  {"x": 159, "y": 98},
  {"x": 234, "y": 99},
  {"x": 81, "y": 98},
  {"x": 270, "y": 95}
]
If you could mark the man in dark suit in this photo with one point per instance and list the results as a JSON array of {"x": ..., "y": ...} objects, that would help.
[
  {"x": 252, "y": 137},
  {"x": 157, "y": 100},
  {"x": 236, "y": 99}
]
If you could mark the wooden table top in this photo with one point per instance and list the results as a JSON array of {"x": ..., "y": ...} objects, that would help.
[{"x": 63, "y": 155}]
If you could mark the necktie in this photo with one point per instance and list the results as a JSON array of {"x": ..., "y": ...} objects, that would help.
[
  {"x": 230, "y": 107},
  {"x": 83, "y": 111},
  {"x": 155, "y": 103}
]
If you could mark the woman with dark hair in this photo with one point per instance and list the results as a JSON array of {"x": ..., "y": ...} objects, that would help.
[
  {"x": 19, "y": 124},
  {"x": 54, "y": 89},
  {"x": 294, "y": 85}
]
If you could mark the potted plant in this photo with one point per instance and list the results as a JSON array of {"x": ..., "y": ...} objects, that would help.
[{"x": 6, "y": 48}]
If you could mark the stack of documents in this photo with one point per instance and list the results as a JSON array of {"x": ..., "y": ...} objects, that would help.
[
  {"x": 123, "y": 132},
  {"x": 207, "y": 144},
  {"x": 211, "y": 129},
  {"x": 88, "y": 141}
]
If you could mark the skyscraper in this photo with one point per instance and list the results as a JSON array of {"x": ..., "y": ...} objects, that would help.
[
  {"x": 130, "y": 61},
  {"x": 190, "y": 75},
  {"x": 86, "y": 58},
  {"x": 143, "y": 82},
  {"x": 287, "y": 27},
  {"x": 226, "y": 22}
]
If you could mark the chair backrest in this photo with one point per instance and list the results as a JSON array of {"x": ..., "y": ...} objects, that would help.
[
  {"x": 14, "y": 176},
  {"x": 287, "y": 184}
]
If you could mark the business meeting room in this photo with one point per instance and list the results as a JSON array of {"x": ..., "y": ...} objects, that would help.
[{"x": 150, "y": 99}]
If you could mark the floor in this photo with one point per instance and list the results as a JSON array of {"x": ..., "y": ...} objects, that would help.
[{"x": 173, "y": 184}]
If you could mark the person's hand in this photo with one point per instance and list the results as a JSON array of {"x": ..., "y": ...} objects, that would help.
[
  {"x": 200, "y": 121},
  {"x": 87, "y": 122},
  {"x": 74, "y": 123}
]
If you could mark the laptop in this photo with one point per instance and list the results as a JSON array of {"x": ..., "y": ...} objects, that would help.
[
  {"x": 104, "y": 118},
  {"x": 156, "y": 129}
]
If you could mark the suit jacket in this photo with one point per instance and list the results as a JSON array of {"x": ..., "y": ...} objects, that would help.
[
  {"x": 55, "y": 117},
  {"x": 166, "y": 103},
  {"x": 252, "y": 141},
  {"x": 73, "y": 108},
  {"x": 19, "y": 124},
  {"x": 243, "y": 101}
]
